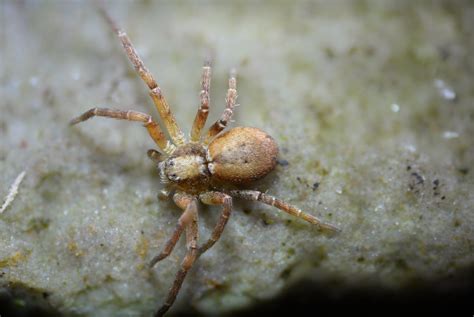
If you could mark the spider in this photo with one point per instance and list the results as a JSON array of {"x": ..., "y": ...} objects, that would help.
[{"x": 208, "y": 168}]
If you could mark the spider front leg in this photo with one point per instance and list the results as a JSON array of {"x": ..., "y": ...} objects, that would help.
[
  {"x": 155, "y": 91},
  {"x": 191, "y": 254},
  {"x": 230, "y": 100},
  {"x": 203, "y": 111},
  {"x": 216, "y": 198},
  {"x": 153, "y": 128},
  {"x": 280, "y": 204}
]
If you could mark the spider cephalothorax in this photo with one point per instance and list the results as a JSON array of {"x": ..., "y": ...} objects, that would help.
[
  {"x": 186, "y": 167},
  {"x": 207, "y": 168}
]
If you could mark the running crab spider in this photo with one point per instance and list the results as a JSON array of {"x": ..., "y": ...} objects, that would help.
[{"x": 202, "y": 168}]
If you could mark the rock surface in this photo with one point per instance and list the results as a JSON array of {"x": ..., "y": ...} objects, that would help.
[{"x": 369, "y": 101}]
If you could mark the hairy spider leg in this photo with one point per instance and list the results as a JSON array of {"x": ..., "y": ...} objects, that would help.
[
  {"x": 216, "y": 198},
  {"x": 203, "y": 110},
  {"x": 254, "y": 195},
  {"x": 159, "y": 100},
  {"x": 183, "y": 201},
  {"x": 230, "y": 100},
  {"x": 153, "y": 128},
  {"x": 190, "y": 205}
]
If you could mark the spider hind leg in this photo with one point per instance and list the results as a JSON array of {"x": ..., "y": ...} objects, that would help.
[{"x": 284, "y": 206}]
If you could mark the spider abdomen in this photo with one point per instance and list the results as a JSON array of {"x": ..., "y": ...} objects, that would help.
[{"x": 242, "y": 155}]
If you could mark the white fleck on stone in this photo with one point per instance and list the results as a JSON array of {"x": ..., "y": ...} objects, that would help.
[
  {"x": 34, "y": 81},
  {"x": 450, "y": 135},
  {"x": 410, "y": 148},
  {"x": 379, "y": 207},
  {"x": 395, "y": 107},
  {"x": 12, "y": 191},
  {"x": 76, "y": 74},
  {"x": 445, "y": 91}
]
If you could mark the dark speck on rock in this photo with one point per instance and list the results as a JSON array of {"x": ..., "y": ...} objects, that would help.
[
  {"x": 282, "y": 162},
  {"x": 419, "y": 179}
]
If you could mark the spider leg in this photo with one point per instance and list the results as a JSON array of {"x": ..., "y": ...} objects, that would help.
[
  {"x": 185, "y": 202},
  {"x": 230, "y": 100},
  {"x": 153, "y": 128},
  {"x": 216, "y": 198},
  {"x": 280, "y": 204},
  {"x": 155, "y": 91},
  {"x": 203, "y": 111},
  {"x": 189, "y": 258}
]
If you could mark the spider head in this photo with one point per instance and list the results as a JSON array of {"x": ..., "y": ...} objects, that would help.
[
  {"x": 183, "y": 168},
  {"x": 187, "y": 165}
]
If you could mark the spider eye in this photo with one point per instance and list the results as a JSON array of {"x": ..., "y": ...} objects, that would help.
[{"x": 174, "y": 177}]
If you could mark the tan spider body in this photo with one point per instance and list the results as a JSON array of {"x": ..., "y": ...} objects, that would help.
[
  {"x": 206, "y": 168},
  {"x": 239, "y": 156}
]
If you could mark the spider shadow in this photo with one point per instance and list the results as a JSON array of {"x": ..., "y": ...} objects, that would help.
[{"x": 433, "y": 297}]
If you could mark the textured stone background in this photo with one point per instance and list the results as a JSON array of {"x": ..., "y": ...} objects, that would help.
[{"x": 370, "y": 102}]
